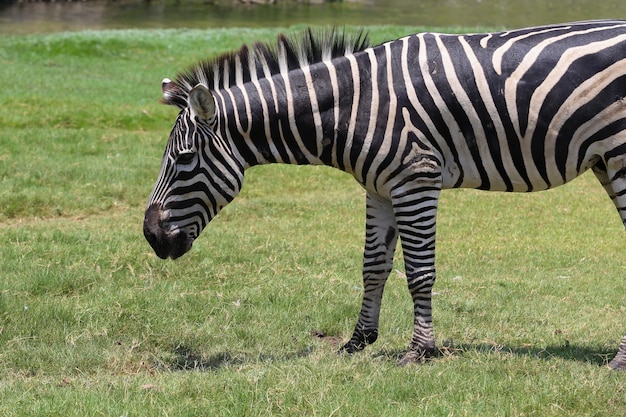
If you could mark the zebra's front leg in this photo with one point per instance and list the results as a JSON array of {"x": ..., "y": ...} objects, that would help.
[
  {"x": 416, "y": 212},
  {"x": 381, "y": 235}
]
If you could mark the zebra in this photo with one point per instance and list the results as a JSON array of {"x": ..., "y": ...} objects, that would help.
[{"x": 518, "y": 111}]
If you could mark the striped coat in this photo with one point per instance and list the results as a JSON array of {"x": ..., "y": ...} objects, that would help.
[{"x": 522, "y": 110}]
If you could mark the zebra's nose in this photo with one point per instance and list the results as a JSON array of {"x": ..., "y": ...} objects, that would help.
[
  {"x": 166, "y": 241},
  {"x": 153, "y": 230}
]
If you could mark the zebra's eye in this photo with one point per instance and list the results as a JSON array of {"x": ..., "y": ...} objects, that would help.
[{"x": 185, "y": 158}]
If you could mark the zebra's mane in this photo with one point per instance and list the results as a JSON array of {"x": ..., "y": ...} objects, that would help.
[{"x": 264, "y": 60}]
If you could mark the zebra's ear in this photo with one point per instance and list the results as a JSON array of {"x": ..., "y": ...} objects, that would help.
[
  {"x": 202, "y": 102},
  {"x": 172, "y": 94}
]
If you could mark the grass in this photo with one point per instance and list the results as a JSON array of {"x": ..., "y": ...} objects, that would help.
[{"x": 529, "y": 302}]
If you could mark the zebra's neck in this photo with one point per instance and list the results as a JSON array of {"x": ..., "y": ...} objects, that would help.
[{"x": 303, "y": 116}]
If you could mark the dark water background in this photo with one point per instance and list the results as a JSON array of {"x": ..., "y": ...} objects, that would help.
[{"x": 54, "y": 16}]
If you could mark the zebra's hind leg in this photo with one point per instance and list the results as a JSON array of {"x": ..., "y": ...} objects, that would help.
[
  {"x": 381, "y": 235},
  {"x": 614, "y": 182},
  {"x": 619, "y": 361},
  {"x": 613, "y": 179}
]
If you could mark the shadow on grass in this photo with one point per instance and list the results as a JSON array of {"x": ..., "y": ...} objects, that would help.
[
  {"x": 587, "y": 354},
  {"x": 186, "y": 359},
  {"x": 592, "y": 355}
]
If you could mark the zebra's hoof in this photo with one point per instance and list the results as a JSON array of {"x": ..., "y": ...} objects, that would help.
[
  {"x": 359, "y": 340},
  {"x": 618, "y": 365},
  {"x": 351, "y": 347},
  {"x": 416, "y": 356}
]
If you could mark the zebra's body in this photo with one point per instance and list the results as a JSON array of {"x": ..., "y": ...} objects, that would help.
[{"x": 522, "y": 110}]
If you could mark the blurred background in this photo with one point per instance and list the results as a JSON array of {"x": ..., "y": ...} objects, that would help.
[{"x": 21, "y": 16}]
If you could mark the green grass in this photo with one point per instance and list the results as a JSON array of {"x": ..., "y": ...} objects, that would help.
[{"x": 529, "y": 302}]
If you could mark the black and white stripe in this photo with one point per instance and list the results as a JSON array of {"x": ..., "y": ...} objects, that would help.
[{"x": 522, "y": 110}]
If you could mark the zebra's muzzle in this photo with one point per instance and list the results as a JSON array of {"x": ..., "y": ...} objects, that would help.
[{"x": 166, "y": 241}]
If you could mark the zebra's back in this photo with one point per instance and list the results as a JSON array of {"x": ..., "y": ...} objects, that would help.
[{"x": 519, "y": 110}]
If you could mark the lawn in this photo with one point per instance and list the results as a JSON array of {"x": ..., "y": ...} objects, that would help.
[{"x": 529, "y": 306}]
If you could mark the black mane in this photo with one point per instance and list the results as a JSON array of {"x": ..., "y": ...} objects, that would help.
[{"x": 265, "y": 59}]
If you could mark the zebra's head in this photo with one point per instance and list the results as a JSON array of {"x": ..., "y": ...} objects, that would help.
[{"x": 199, "y": 173}]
